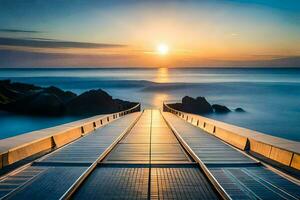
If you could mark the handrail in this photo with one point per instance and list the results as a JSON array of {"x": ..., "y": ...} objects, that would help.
[
  {"x": 68, "y": 194},
  {"x": 26, "y": 145},
  {"x": 221, "y": 191},
  {"x": 282, "y": 151}
]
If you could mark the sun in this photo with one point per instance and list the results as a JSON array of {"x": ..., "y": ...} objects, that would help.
[{"x": 162, "y": 49}]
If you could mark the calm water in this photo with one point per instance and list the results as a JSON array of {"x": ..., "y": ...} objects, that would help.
[{"x": 271, "y": 97}]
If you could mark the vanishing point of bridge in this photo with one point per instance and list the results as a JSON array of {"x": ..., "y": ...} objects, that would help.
[{"x": 146, "y": 155}]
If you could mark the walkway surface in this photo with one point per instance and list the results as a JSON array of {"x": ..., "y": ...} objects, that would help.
[
  {"x": 239, "y": 175},
  {"x": 147, "y": 155},
  {"x": 52, "y": 176},
  {"x": 148, "y": 163}
]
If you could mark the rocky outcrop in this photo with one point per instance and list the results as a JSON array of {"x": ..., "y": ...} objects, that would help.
[
  {"x": 65, "y": 96},
  {"x": 239, "y": 110},
  {"x": 10, "y": 92},
  {"x": 200, "y": 105},
  {"x": 220, "y": 108},
  {"x": 96, "y": 101},
  {"x": 41, "y": 103},
  {"x": 35, "y": 100}
]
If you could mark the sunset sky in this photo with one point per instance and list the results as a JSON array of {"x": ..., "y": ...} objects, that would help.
[{"x": 62, "y": 33}]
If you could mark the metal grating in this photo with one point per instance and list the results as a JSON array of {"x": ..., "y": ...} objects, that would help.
[
  {"x": 90, "y": 147},
  {"x": 135, "y": 146},
  {"x": 239, "y": 175},
  {"x": 14, "y": 181},
  {"x": 64, "y": 166},
  {"x": 51, "y": 184},
  {"x": 180, "y": 183},
  {"x": 115, "y": 183},
  {"x": 132, "y": 182},
  {"x": 208, "y": 148},
  {"x": 255, "y": 183}
]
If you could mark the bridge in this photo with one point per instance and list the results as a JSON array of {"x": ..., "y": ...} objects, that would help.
[{"x": 149, "y": 154}]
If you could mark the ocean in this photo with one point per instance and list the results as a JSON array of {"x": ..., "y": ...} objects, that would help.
[{"x": 270, "y": 97}]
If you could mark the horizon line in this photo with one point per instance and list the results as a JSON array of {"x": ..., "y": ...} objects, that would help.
[{"x": 154, "y": 67}]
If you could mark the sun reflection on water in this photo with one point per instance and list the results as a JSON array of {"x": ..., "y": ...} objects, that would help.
[{"x": 162, "y": 75}]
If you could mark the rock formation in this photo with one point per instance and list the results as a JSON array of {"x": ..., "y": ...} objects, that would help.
[
  {"x": 220, "y": 108},
  {"x": 34, "y": 100},
  {"x": 200, "y": 105}
]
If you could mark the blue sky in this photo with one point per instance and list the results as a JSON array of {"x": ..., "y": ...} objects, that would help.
[{"x": 116, "y": 33}]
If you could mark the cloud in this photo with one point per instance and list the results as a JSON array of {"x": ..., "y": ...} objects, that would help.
[
  {"x": 48, "y": 43},
  {"x": 281, "y": 61},
  {"x": 15, "y": 58},
  {"x": 19, "y": 31},
  {"x": 39, "y": 38}
]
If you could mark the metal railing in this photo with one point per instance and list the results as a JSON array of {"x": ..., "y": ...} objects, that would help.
[
  {"x": 202, "y": 166},
  {"x": 10, "y": 155},
  {"x": 77, "y": 184},
  {"x": 287, "y": 155}
]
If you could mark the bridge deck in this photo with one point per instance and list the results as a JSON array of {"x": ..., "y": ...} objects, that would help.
[
  {"x": 140, "y": 157},
  {"x": 239, "y": 175},
  {"x": 149, "y": 139},
  {"x": 59, "y": 170},
  {"x": 133, "y": 182},
  {"x": 148, "y": 162}
]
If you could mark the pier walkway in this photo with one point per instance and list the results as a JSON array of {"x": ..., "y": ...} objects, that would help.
[
  {"x": 148, "y": 155},
  {"x": 148, "y": 163},
  {"x": 239, "y": 175}
]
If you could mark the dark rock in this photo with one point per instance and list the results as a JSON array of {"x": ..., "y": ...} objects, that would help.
[
  {"x": 30, "y": 99},
  {"x": 95, "y": 102},
  {"x": 9, "y": 95},
  {"x": 21, "y": 87},
  {"x": 124, "y": 105},
  {"x": 220, "y": 108},
  {"x": 12, "y": 92},
  {"x": 3, "y": 99},
  {"x": 198, "y": 105},
  {"x": 239, "y": 110},
  {"x": 41, "y": 103},
  {"x": 45, "y": 104},
  {"x": 24, "y": 87},
  {"x": 191, "y": 105},
  {"x": 35, "y": 100},
  {"x": 5, "y": 82},
  {"x": 176, "y": 106},
  {"x": 8, "y": 92},
  {"x": 65, "y": 96}
]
